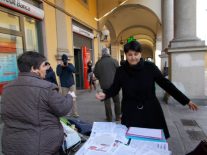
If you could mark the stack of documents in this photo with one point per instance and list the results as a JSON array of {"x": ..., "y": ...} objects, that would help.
[
  {"x": 147, "y": 134},
  {"x": 109, "y": 138},
  {"x": 105, "y": 138}
]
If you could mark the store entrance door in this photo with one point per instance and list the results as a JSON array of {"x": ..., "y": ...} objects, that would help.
[{"x": 79, "y": 68}]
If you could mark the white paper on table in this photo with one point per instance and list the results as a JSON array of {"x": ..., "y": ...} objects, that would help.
[
  {"x": 124, "y": 150},
  {"x": 103, "y": 127},
  {"x": 146, "y": 150},
  {"x": 101, "y": 142},
  {"x": 149, "y": 152},
  {"x": 96, "y": 153},
  {"x": 154, "y": 152},
  {"x": 153, "y": 145},
  {"x": 145, "y": 132},
  {"x": 121, "y": 130},
  {"x": 83, "y": 150},
  {"x": 115, "y": 146}
]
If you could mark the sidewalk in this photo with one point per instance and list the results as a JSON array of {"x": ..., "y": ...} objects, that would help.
[{"x": 186, "y": 127}]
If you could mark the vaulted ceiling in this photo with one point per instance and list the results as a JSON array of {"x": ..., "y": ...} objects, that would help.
[{"x": 138, "y": 18}]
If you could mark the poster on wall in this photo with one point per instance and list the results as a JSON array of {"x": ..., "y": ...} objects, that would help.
[
  {"x": 8, "y": 68},
  {"x": 8, "y": 61}
]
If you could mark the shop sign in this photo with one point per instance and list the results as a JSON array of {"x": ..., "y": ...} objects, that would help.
[
  {"x": 23, "y": 7},
  {"x": 83, "y": 32}
]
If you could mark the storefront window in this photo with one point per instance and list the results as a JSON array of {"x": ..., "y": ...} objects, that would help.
[
  {"x": 9, "y": 21},
  {"x": 10, "y": 44},
  {"x": 10, "y": 48},
  {"x": 30, "y": 29}
]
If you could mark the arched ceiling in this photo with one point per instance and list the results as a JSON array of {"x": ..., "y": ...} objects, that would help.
[
  {"x": 145, "y": 32},
  {"x": 132, "y": 19},
  {"x": 133, "y": 15}
]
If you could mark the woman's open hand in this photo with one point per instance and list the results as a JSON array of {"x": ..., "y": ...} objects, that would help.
[
  {"x": 100, "y": 96},
  {"x": 192, "y": 106}
]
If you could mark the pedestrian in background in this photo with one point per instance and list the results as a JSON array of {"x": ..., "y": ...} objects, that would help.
[
  {"x": 104, "y": 71},
  {"x": 31, "y": 108},
  {"x": 91, "y": 77},
  {"x": 65, "y": 72},
  {"x": 140, "y": 106},
  {"x": 50, "y": 74}
]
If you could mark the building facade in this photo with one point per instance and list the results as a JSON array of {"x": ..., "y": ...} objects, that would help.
[
  {"x": 167, "y": 30},
  {"x": 20, "y": 30},
  {"x": 51, "y": 27}
]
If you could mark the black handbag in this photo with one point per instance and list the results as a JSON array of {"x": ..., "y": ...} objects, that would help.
[{"x": 201, "y": 149}]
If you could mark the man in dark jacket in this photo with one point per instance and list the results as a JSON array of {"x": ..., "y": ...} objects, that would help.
[
  {"x": 65, "y": 72},
  {"x": 31, "y": 108},
  {"x": 104, "y": 71}
]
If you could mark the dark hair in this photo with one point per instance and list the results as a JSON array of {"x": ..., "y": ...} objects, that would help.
[
  {"x": 134, "y": 46},
  {"x": 47, "y": 63},
  {"x": 29, "y": 59},
  {"x": 64, "y": 57}
]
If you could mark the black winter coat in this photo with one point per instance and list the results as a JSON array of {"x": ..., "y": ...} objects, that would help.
[
  {"x": 105, "y": 70},
  {"x": 140, "y": 106},
  {"x": 50, "y": 76}
]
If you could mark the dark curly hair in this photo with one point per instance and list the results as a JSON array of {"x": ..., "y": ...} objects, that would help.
[
  {"x": 28, "y": 60},
  {"x": 134, "y": 46}
]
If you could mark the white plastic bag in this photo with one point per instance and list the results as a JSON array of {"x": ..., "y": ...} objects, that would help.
[{"x": 71, "y": 137}]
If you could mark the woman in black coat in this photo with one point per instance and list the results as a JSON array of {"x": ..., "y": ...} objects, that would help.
[{"x": 140, "y": 106}]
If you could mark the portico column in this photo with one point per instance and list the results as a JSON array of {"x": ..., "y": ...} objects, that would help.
[
  {"x": 115, "y": 51},
  {"x": 62, "y": 38},
  {"x": 167, "y": 30},
  {"x": 187, "y": 52},
  {"x": 185, "y": 24}
]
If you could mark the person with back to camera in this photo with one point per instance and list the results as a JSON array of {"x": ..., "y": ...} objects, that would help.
[
  {"x": 140, "y": 106},
  {"x": 65, "y": 72},
  {"x": 104, "y": 71},
  {"x": 31, "y": 107},
  {"x": 50, "y": 74}
]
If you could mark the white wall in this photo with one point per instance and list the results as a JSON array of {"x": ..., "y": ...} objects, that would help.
[{"x": 202, "y": 19}]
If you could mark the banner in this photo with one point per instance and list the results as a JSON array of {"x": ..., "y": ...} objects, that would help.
[{"x": 23, "y": 7}]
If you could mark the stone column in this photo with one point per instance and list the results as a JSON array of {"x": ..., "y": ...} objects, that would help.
[
  {"x": 167, "y": 30},
  {"x": 187, "y": 52},
  {"x": 62, "y": 38},
  {"x": 167, "y": 22},
  {"x": 158, "y": 49},
  {"x": 185, "y": 24},
  {"x": 115, "y": 51}
]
